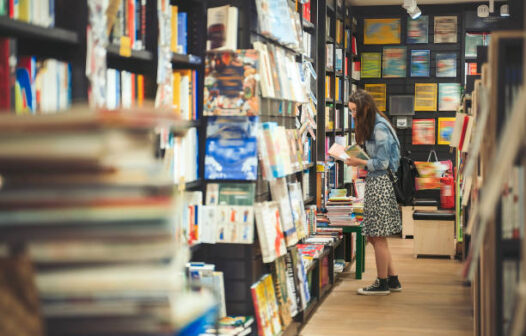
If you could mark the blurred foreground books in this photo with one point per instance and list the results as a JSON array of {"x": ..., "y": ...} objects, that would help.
[{"x": 97, "y": 212}]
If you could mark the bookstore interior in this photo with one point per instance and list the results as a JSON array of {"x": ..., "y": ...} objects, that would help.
[{"x": 189, "y": 171}]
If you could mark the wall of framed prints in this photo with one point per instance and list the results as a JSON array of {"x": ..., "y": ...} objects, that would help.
[{"x": 423, "y": 58}]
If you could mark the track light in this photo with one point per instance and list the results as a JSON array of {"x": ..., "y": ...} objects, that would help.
[{"x": 412, "y": 8}]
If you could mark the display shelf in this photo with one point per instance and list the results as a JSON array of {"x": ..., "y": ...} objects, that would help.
[
  {"x": 113, "y": 52},
  {"x": 23, "y": 30},
  {"x": 309, "y": 27},
  {"x": 271, "y": 40},
  {"x": 186, "y": 60}
]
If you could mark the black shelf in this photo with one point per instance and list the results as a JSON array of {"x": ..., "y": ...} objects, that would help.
[
  {"x": 339, "y": 102},
  {"x": 113, "y": 52},
  {"x": 194, "y": 184},
  {"x": 308, "y": 165},
  {"x": 312, "y": 266},
  {"x": 330, "y": 7},
  {"x": 309, "y": 27},
  {"x": 329, "y": 39},
  {"x": 338, "y": 46},
  {"x": 24, "y": 30},
  {"x": 309, "y": 200},
  {"x": 308, "y": 58},
  {"x": 277, "y": 43},
  {"x": 186, "y": 60},
  {"x": 339, "y": 73},
  {"x": 329, "y": 70},
  {"x": 329, "y": 100}
]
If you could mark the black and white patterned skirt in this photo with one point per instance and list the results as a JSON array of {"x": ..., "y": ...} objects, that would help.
[{"x": 381, "y": 216}]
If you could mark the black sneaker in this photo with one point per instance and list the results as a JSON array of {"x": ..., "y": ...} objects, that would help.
[
  {"x": 379, "y": 287},
  {"x": 394, "y": 284}
]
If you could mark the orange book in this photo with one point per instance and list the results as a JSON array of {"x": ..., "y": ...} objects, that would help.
[
  {"x": 140, "y": 90},
  {"x": 131, "y": 21},
  {"x": 176, "y": 89},
  {"x": 133, "y": 88}
]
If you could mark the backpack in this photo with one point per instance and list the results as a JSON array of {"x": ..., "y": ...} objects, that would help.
[{"x": 404, "y": 184}]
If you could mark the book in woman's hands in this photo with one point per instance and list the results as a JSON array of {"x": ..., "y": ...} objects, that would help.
[{"x": 342, "y": 153}]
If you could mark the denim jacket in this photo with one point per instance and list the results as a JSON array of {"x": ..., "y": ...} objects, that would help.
[{"x": 383, "y": 148}]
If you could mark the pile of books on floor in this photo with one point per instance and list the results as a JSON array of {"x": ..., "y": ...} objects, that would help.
[{"x": 86, "y": 194}]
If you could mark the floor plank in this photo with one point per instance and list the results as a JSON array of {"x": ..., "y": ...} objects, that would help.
[{"x": 433, "y": 302}]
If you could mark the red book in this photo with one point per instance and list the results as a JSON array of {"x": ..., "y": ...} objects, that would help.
[
  {"x": 346, "y": 63},
  {"x": 143, "y": 23},
  {"x": 131, "y": 21},
  {"x": 463, "y": 135},
  {"x": 354, "y": 46},
  {"x": 11, "y": 9},
  {"x": 306, "y": 11},
  {"x": 5, "y": 75}
]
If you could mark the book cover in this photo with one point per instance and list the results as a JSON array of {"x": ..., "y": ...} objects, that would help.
[
  {"x": 231, "y": 148},
  {"x": 222, "y": 23},
  {"x": 418, "y": 30},
  {"x": 270, "y": 234},
  {"x": 298, "y": 209},
  {"x": 381, "y": 31},
  {"x": 445, "y": 130},
  {"x": 420, "y": 63},
  {"x": 280, "y": 195},
  {"x": 423, "y": 132},
  {"x": 446, "y": 29},
  {"x": 260, "y": 309},
  {"x": 394, "y": 62},
  {"x": 300, "y": 277},
  {"x": 425, "y": 96},
  {"x": 182, "y": 34},
  {"x": 446, "y": 65},
  {"x": 234, "y": 193},
  {"x": 285, "y": 303},
  {"x": 272, "y": 304},
  {"x": 231, "y": 83},
  {"x": 449, "y": 96},
  {"x": 371, "y": 65},
  {"x": 378, "y": 92}
]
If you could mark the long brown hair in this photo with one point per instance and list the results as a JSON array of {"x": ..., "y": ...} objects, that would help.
[{"x": 365, "y": 115}]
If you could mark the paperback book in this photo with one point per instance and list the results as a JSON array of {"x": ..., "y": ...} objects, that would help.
[
  {"x": 270, "y": 233},
  {"x": 231, "y": 83}
]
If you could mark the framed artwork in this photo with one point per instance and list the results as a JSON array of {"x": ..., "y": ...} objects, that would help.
[
  {"x": 445, "y": 130},
  {"x": 449, "y": 96},
  {"x": 446, "y": 65},
  {"x": 394, "y": 62},
  {"x": 378, "y": 92},
  {"x": 423, "y": 132},
  {"x": 425, "y": 97},
  {"x": 472, "y": 42},
  {"x": 420, "y": 63},
  {"x": 446, "y": 29},
  {"x": 371, "y": 65},
  {"x": 381, "y": 31},
  {"x": 417, "y": 30}
]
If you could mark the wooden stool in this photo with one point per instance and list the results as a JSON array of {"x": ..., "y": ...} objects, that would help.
[
  {"x": 434, "y": 233},
  {"x": 407, "y": 214}
]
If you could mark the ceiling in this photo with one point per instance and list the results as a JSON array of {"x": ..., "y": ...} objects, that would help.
[{"x": 399, "y": 2}]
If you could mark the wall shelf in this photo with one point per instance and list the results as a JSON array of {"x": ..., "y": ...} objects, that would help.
[{"x": 23, "y": 30}]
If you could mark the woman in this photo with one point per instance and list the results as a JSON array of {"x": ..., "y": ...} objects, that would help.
[{"x": 381, "y": 212}]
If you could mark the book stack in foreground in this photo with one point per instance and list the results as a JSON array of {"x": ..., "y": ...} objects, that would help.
[{"x": 85, "y": 193}]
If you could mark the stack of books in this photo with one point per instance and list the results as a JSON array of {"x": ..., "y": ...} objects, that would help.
[
  {"x": 232, "y": 326},
  {"x": 339, "y": 207},
  {"x": 87, "y": 195}
]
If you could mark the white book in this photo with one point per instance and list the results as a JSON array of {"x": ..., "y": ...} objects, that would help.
[
  {"x": 265, "y": 71},
  {"x": 126, "y": 90},
  {"x": 185, "y": 91},
  {"x": 111, "y": 85},
  {"x": 280, "y": 194},
  {"x": 207, "y": 224},
  {"x": 222, "y": 24}
]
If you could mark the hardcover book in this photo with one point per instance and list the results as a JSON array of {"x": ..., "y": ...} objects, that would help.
[
  {"x": 270, "y": 234},
  {"x": 231, "y": 83},
  {"x": 446, "y": 65},
  {"x": 231, "y": 148},
  {"x": 222, "y": 28},
  {"x": 280, "y": 194}
]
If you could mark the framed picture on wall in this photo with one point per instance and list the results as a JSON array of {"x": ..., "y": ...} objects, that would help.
[
  {"x": 394, "y": 62},
  {"x": 371, "y": 65},
  {"x": 425, "y": 97},
  {"x": 446, "y": 65},
  {"x": 418, "y": 30},
  {"x": 420, "y": 63},
  {"x": 446, "y": 29},
  {"x": 445, "y": 130},
  {"x": 423, "y": 132},
  {"x": 378, "y": 92},
  {"x": 381, "y": 31},
  {"x": 448, "y": 96},
  {"x": 472, "y": 42}
]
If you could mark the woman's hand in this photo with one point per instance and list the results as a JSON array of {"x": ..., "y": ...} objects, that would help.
[{"x": 352, "y": 161}]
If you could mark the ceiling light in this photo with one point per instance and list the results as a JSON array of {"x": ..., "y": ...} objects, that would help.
[{"x": 412, "y": 8}]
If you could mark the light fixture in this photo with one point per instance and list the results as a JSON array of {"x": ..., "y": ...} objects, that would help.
[{"x": 412, "y": 8}]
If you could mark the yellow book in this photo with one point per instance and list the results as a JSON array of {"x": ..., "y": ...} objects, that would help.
[
  {"x": 337, "y": 89},
  {"x": 173, "y": 42},
  {"x": 177, "y": 92},
  {"x": 24, "y": 10},
  {"x": 272, "y": 304}
]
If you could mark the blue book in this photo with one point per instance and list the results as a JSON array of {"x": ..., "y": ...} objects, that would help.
[
  {"x": 182, "y": 35},
  {"x": 231, "y": 148}
]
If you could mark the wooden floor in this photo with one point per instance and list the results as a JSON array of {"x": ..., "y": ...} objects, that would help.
[{"x": 433, "y": 302}]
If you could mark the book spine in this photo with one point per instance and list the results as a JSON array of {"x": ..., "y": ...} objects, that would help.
[
  {"x": 182, "y": 33},
  {"x": 131, "y": 22},
  {"x": 138, "y": 38},
  {"x": 174, "y": 34},
  {"x": 143, "y": 23},
  {"x": 5, "y": 75}
]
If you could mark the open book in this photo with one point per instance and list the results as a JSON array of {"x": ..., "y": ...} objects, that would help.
[{"x": 342, "y": 153}]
